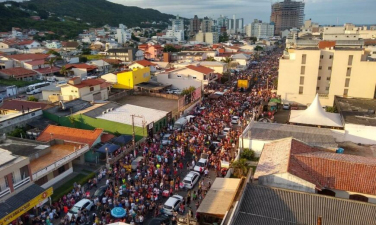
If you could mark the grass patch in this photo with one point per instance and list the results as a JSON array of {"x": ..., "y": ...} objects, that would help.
[
  {"x": 94, "y": 57},
  {"x": 68, "y": 185},
  {"x": 18, "y": 83}
]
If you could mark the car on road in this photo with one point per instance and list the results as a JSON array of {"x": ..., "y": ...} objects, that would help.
[
  {"x": 286, "y": 106},
  {"x": 201, "y": 110},
  {"x": 226, "y": 130},
  {"x": 200, "y": 165},
  {"x": 191, "y": 179},
  {"x": 80, "y": 206},
  {"x": 166, "y": 139},
  {"x": 100, "y": 192},
  {"x": 177, "y": 92},
  {"x": 172, "y": 204},
  {"x": 235, "y": 120},
  {"x": 159, "y": 220},
  {"x": 136, "y": 163}
]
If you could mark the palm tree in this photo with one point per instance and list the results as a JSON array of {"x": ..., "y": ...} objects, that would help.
[
  {"x": 51, "y": 62},
  {"x": 64, "y": 71},
  {"x": 240, "y": 167},
  {"x": 227, "y": 60},
  {"x": 210, "y": 58}
]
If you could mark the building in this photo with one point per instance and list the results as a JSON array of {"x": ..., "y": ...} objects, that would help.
[
  {"x": 268, "y": 205},
  {"x": 123, "y": 54},
  {"x": 347, "y": 32},
  {"x": 81, "y": 70},
  {"x": 123, "y": 35},
  {"x": 142, "y": 64},
  {"x": 187, "y": 56},
  {"x": 257, "y": 134},
  {"x": 301, "y": 167},
  {"x": 207, "y": 25},
  {"x": 18, "y": 73},
  {"x": 102, "y": 66},
  {"x": 194, "y": 25},
  {"x": 89, "y": 90},
  {"x": 177, "y": 23},
  {"x": 286, "y": 15},
  {"x": 222, "y": 23},
  {"x": 207, "y": 37},
  {"x": 127, "y": 79},
  {"x": 260, "y": 30},
  {"x": 307, "y": 71},
  {"x": 199, "y": 73},
  {"x": 218, "y": 67},
  {"x": 53, "y": 45},
  {"x": 236, "y": 25},
  {"x": 175, "y": 34},
  {"x": 20, "y": 59},
  {"x": 152, "y": 51},
  {"x": 69, "y": 45}
]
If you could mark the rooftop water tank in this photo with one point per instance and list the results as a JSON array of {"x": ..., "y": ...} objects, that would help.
[{"x": 340, "y": 150}]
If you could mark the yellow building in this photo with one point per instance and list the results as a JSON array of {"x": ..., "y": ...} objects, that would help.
[
  {"x": 327, "y": 70},
  {"x": 128, "y": 79}
]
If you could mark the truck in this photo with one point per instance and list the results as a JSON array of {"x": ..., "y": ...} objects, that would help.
[{"x": 243, "y": 84}]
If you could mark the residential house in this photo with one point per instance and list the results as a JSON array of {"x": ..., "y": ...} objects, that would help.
[
  {"x": 188, "y": 56},
  {"x": 291, "y": 164},
  {"x": 19, "y": 44},
  {"x": 69, "y": 45},
  {"x": 127, "y": 79},
  {"x": 19, "y": 59},
  {"x": 18, "y": 73},
  {"x": 153, "y": 52},
  {"x": 242, "y": 59},
  {"x": 8, "y": 91},
  {"x": 142, "y": 64},
  {"x": 89, "y": 90},
  {"x": 103, "y": 66},
  {"x": 123, "y": 54},
  {"x": 53, "y": 45},
  {"x": 81, "y": 70},
  {"x": 218, "y": 67}
]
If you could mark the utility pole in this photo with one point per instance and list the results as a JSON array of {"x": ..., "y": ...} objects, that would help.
[{"x": 133, "y": 131}]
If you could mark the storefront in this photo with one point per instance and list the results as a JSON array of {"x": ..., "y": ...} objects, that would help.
[{"x": 22, "y": 202}]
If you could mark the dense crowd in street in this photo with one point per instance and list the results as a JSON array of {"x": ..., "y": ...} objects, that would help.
[{"x": 161, "y": 171}]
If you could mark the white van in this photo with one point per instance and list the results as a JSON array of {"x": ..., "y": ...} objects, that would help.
[
  {"x": 136, "y": 162},
  {"x": 180, "y": 123}
]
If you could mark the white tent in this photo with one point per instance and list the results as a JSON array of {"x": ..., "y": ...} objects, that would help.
[{"x": 315, "y": 115}]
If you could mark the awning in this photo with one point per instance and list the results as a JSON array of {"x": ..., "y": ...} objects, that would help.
[
  {"x": 110, "y": 148},
  {"x": 23, "y": 201},
  {"x": 123, "y": 139}
]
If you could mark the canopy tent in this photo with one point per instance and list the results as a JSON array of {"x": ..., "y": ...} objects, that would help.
[
  {"x": 220, "y": 197},
  {"x": 315, "y": 115},
  {"x": 276, "y": 100},
  {"x": 123, "y": 139},
  {"x": 110, "y": 148}
]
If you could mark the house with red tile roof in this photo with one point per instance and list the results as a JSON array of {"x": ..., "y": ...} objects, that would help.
[
  {"x": 292, "y": 164},
  {"x": 142, "y": 64},
  {"x": 15, "y": 105},
  {"x": 89, "y": 137},
  {"x": 88, "y": 90},
  {"x": 81, "y": 69},
  {"x": 151, "y": 51},
  {"x": 18, "y": 73}
]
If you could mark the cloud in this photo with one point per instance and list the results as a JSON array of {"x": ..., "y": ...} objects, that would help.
[{"x": 322, "y": 11}]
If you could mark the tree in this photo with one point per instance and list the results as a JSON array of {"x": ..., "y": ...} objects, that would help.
[
  {"x": 240, "y": 167},
  {"x": 32, "y": 99},
  {"x": 17, "y": 132},
  {"x": 135, "y": 38},
  {"x": 188, "y": 91},
  {"x": 254, "y": 39},
  {"x": 170, "y": 48},
  {"x": 53, "y": 52},
  {"x": 82, "y": 59},
  {"x": 43, "y": 14},
  {"x": 51, "y": 62},
  {"x": 223, "y": 37},
  {"x": 247, "y": 154},
  {"x": 86, "y": 51},
  {"x": 210, "y": 58},
  {"x": 227, "y": 60},
  {"x": 258, "y": 48},
  {"x": 331, "y": 109},
  {"x": 64, "y": 71},
  {"x": 275, "y": 83}
]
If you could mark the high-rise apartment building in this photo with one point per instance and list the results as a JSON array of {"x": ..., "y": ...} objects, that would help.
[
  {"x": 328, "y": 69},
  {"x": 223, "y": 23},
  {"x": 287, "y": 14},
  {"x": 236, "y": 25},
  {"x": 194, "y": 25},
  {"x": 207, "y": 25},
  {"x": 178, "y": 23},
  {"x": 259, "y": 29}
]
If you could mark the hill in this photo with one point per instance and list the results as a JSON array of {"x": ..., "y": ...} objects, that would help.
[{"x": 95, "y": 12}]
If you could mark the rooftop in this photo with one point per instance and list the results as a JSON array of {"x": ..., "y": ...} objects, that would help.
[
  {"x": 19, "y": 105},
  {"x": 357, "y": 110},
  {"x": 123, "y": 115},
  {"x": 313, "y": 136},
  {"x": 275, "y": 206},
  {"x": 23, "y": 57},
  {"x": 200, "y": 69},
  {"x": 70, "y": 134},
  {"x": 144, "y": 63},
  {"x": 18, "y": 72},
  {"x": 98, "y": 109},
  {"x": 23, "y": 147},
  {"x": 69, "y": 108}
]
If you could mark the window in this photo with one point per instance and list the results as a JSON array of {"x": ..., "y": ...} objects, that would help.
[
  {"x": 345, "y": 92},
  {"x": 304, "y": 58},
  {"x": 327, "y": 88},
  {"x": 329, "y": 68},
  {"x": 347, "y": 82},
  {"x": 61, "y": 170},
  {"x": 318, "y": 78},
  {"x": 327, "y": 192},
  {"x": 328, "y": 78},
  {"x": 320, "y": 67},
  {"x": 317, "y": 88},
  {"x": 302, "y": 70},
  {"x": 321, "y": 56},
  {"x": 300, "y": 90},
  {"x": 348, "y": 73},
  {"x": 194, "y": 77},
  {"x": 330, "y": 56},
  {"x": 91, "y": 88},
  {"x": 179, "y": 76},
  {"x": 24, "y": 171},
  {"x": 301, "y": 80},
  {"x": 350, "y": 60}
]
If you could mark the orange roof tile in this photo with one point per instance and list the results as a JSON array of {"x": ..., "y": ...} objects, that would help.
[
  {"x": 81, "y": 66},
  {"x": 106, "y": 137},
  {"x": 201, "y": 69},
  {"x": 70, "y": 134},
  {"x": 18, "y": 72},
  {"x": 20, "y": 104},
  {"x": 22, "y": 57}
]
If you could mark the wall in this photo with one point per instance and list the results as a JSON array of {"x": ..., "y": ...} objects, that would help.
[
  {"x": 256, "y": 145},
  {"x": 110, "y": 77},
  {"x": 69, "y": 92},
  {"x": 127, "y": 80},
  {"x": 179, "y": 83},
  {"x": 19, "y": 121},
  {"x": 360, "y": 134},
  {"x": 346, "y": 195},
  {"x": 79, "y": 72},
  {"x": 287, "y": 181},
  {"x": 58, "y": 178}
]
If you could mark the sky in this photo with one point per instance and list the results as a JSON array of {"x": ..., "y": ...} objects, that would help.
[{"x": 324, "y": 12}]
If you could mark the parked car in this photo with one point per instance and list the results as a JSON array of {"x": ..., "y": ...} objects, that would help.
[
  {"x": 226, "y": 130},
  {"x": 177, "y": 92},
  {"x": 191, "y": 179},
  {"x": 169, "y": 91},
  {"x": 235, "y": 120},
  {"x": 172, "y": 204},
  {"x": 200, "y": 165},
  {"x": 159, "y": 220},
  {"x": 166, "y": 139},
  {"x": 100, "y": 192},
  {"x": 80, "y": 206},
  {"x": 286, "y": 106},
  {"x": 136, "y": 162}
]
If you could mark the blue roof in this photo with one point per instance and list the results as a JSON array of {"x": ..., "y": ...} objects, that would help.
[
  {"x": 110, "y": 147},
  {"x": 123, "y": 139}
]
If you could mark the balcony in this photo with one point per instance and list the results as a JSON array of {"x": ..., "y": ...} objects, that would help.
[
  {"x": 4, "y": 192},
  {"x": 21, "y": 183}
]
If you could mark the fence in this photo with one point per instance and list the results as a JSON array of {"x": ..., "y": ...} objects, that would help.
[{"x": 119, "y": 95}]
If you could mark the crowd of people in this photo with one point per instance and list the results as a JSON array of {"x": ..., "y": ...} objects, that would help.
[{"x": 142, "y": 192}]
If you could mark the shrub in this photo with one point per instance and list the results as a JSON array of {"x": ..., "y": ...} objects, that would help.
[
  {"x": 247, "y": 154},
  {"x": 32, "y": 99}
]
